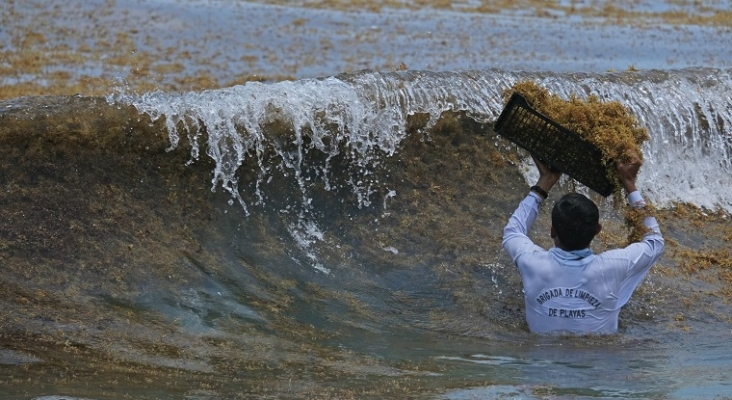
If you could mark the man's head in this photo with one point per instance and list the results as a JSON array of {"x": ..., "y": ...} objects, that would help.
[{"x": 575, "y": 222}]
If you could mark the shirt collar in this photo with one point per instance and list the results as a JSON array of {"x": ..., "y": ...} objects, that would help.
[{"x": 571, "y": 255}]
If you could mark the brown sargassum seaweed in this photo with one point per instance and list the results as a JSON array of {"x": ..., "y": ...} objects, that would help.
[{"x": 609, "y": 125}]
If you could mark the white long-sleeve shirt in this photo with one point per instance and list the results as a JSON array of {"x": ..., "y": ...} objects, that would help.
[{"x": 577, "y": 291}]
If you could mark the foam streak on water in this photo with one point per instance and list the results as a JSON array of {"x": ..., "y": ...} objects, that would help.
[{"x": 688, "y": 114}]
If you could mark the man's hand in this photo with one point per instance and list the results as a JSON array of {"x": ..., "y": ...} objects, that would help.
[
  {"x": 627, "y": 173},
  {"x": 547, "y": 176}
]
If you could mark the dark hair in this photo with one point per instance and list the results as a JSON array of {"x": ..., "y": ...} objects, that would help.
[{"x": 575, "y": 219}]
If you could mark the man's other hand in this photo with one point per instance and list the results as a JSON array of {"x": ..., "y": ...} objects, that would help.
[
  {"x": 627, "y": 172},
  {"x": 547, "y": 176}
]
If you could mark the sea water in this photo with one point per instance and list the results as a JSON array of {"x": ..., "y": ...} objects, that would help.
[{"x": 337, "y": 234}]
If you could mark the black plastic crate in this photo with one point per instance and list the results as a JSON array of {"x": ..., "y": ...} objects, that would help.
[{"x": 560, "y": 148}]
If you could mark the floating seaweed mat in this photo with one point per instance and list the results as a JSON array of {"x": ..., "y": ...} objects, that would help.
[{"x": 557, "y": 146}]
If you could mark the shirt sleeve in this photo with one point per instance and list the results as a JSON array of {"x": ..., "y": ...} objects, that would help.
[
  {"x": 644, "y": 254},
  {"x": 515, "y": 235}
]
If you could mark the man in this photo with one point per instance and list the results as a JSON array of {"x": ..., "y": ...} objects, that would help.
[{"x": 568, "y": 289}]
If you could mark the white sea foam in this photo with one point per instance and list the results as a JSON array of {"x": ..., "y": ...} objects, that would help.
[
  {"x": 56, "y": 397},
  {"x": 688, "y": 114}
]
